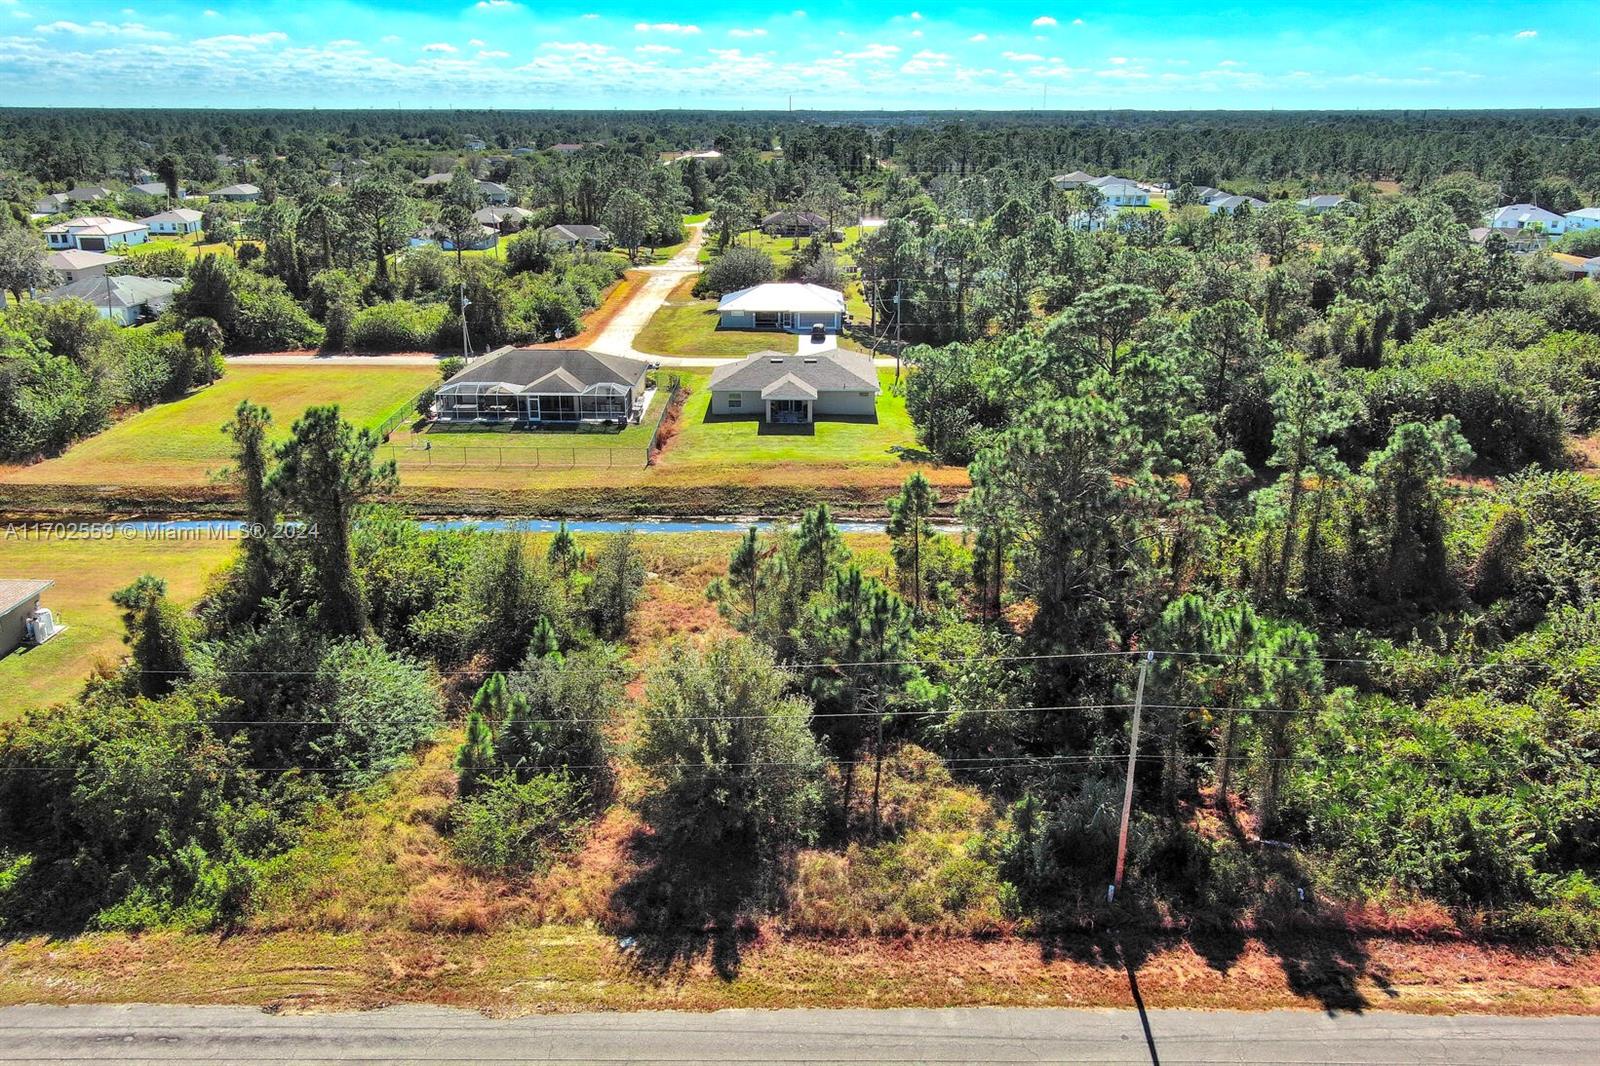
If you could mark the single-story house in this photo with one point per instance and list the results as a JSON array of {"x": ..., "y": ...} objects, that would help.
[
  {"x": 476, "y": 144},
  {"x": 178, "y": 221},
  {"x": 124, "y": 300},
  {"x": 1203, "y": 194},
  {"x": 794, "y": 224},
  {"x": 1075, "y": 180},
  {"x": 1123, "y": 194},
  {"x": 566, "y": 148},
  {"x": 73, "y": 265},
  {"x": 441, "y": 178},
  {"x": 1110, "y": 179},
  {"x": 56, "y": 202},
  {"x": 504, "y": 219},
  {"x": 493, "y": 193},
  {"x": 1528, "y": 217},
  {"x": 796, "y": 388},
  {"x": 158, "y": 189},
  {"x": 242, "y": 193},
  {"x": 22, "y": 619},
  {"x": 1583, "y": 218},
  {"x": 1086, "y": 222},
  {"x": 544, "y": 386},
  {"x": 1574, "y": 267},
  {"x": 1227, "y": 205},
  {"x": 485, "y": 239},
  {"x": 1316, "y": 205},
  {"x": 523, "y": 150},
  {"x": 94, "y": 233},
  {"x": 786, "y": 305},
  {"x": 572, "y": 235}
]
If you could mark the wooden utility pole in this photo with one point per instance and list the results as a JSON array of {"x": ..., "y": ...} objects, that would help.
[{"x": 1127, "y": 788}]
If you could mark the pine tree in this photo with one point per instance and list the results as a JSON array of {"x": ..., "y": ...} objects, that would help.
[
  {"x": 909, "y": 530},
  {"x": 475, "y": 757}
]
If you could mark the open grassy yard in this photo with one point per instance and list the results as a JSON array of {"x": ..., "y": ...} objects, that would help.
[
  {"x": 783, "y": 249},
  {"x": 686, "y": 326},
  {"x": 182, "y": 441},
  {"x": 86, "y": 572},
  {"x": 726, "y": 443}
]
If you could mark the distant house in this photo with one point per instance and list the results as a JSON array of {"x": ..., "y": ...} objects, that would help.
[
  {"x": 1227, "y": 205},
  {"x": 94, "y": 233},
  {"x": 158, "y": 189},
  {"x": 1085, "y": 222},
  {"x": 494, "y": 194},
  {"x": 1077, "y": 179},
  {"x": 1528, "y": 217},
  {"x": 57, "y": 202},
  {"x": 523, "y": 150},
  {"x": 1583, "y": 218},
  {"x": 441, "y": 178},
  {"x": 566, "y": 148},
  {"x": 1202, "y": 194},
  {"x": 483, "y": 239},
  {"x": 796, "y": 388},
  {"x": 22, "y": 619},
  {"x": 242, "y": 193},
  {"x": 73, "y": 265},
  {"x": 544, "y": 386},
  {"x": 1123, "y": 194},
  {"x": 124, "y": 300},
  {"x": 476, "y": 144},
  {"x": 794, "y": 224},
  {"x": 782, "y": 305},
  {"x": 504, "y": 219},
  {"x": 174, "y": 223},
  {"x": 1316, "y": 205},
  {"x": 1575, "y": 267},
  {"x": 571, "y": 235}
]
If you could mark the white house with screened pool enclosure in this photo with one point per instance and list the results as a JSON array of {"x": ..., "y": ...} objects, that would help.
[{"x": 535, "y": 387}]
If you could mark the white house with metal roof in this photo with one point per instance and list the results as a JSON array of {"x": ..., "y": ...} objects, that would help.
[
  {"x": 94, "y": 233},
  {"x": 792, "y": 306},
  {"x": 1528, "y": 217},
  {"x": 543, "y": 387},
  {"x": 174, "y": 223},
  {"x": 1316, "y": 205},
  {"x": 1227, "y": 205},
  {"x": 792, "y": 388},
  {"x": 124, "y": 300},
  {"x": 242, "y": 193}
]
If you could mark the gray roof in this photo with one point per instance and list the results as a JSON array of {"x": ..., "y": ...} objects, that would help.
[
  {"x": 578, "y": 233},
  {"x": 15, "y": 591},
  {"x": 244, "y": 188},
  {"x": 490, "y": 216},
  {"x": 1230, "y": 204},
  {"x": 810, "y": 218},
  {"x": 1323, "y": 200},
  {"x": 127, "y": 291},
  {"x": 835, "y": 371},
  {"x": 557, "y": 370}
]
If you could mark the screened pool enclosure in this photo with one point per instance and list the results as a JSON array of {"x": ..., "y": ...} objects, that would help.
[{"x": 544, "y": 387}]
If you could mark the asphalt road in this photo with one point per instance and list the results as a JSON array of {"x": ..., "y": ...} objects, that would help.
[{"x": 988, "y": 1035}]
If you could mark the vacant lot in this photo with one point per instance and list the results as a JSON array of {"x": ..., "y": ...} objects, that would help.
[
  {"x": 86, "y": 573},
  {"x": 180, "y": 443}
]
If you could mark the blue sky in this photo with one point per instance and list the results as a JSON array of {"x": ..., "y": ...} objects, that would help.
[{"x": 841, "y": 54}]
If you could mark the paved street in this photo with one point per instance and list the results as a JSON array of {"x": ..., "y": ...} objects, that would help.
[{"x": 989, "y": 1035}]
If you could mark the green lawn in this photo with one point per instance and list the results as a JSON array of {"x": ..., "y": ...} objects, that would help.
[
  {"x": 179, "y": 443},
  {"x": 86, "y": 573},
  {"x": 783, "y": 249},
  {"x": 746, "y": 442}
]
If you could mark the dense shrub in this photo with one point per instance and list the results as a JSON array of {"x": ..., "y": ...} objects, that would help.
[
  {"x": 517, "y": 826},
  {"x": 399, "y": 326},
  {"x": 737, "y": 268}
]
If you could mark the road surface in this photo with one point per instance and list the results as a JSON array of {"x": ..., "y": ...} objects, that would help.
[{"x": 990, "y": 1035}]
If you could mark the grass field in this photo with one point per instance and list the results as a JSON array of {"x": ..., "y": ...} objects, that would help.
[
  {"x": 784, "y": 249},
  {"x": 686, "y": 326},
  {"x": 85, "y": 573},
  {"x": 179, "y": 442}
]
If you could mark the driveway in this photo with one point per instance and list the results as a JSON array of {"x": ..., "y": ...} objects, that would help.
[{"x": 618, "y": 335}]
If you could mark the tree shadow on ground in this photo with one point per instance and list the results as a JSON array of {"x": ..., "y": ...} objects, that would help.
[{"x": 682, "y": 905}]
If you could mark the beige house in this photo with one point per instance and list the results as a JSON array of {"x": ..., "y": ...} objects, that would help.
[
  {"x": 73, "y": 265},
  {"x": 22, "y": 619},
  {"x": 797, "y": 389}
]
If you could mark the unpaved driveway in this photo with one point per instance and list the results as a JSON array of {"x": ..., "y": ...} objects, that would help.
[{"x": 619, "y": 334}]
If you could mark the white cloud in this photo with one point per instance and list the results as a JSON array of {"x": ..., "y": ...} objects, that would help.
[
  {"x": 757, "y": 32},
  {"x": 234, "y": 42},
  {"x": 1527, "y": 35},
  {"x": 577, "y": 48},
  {"x": 797, "y": 13},
  {"x": 475, "y": 43},
  {"x": 210, "y": 14},
  {"x": 1044, "y": 20},
  {"x": 1118, "y": 60},
  {"x": 494, "y": 5},
  {"x": 916, "y": 33},
  {"x": 978, "y": 37},
  {"x": 439, "y": 46},
  {"x": 658, "y": 50},
  {"x": 916, "y": 16},
  {"x": 344, "y": 42},
  {"x": 665, "y": 27},
  {"x": 1077, "y": 22},
  {"x": 493, "y": 53},
  {"x": 873, "y": 51},
  {"x": 1023, "y": 57},
  {"x": 135, "y": 31},
  {"x": 1230, "y": 63}
]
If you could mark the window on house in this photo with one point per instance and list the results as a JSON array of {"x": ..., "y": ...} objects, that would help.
[{"x": 734, "y": 401}]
